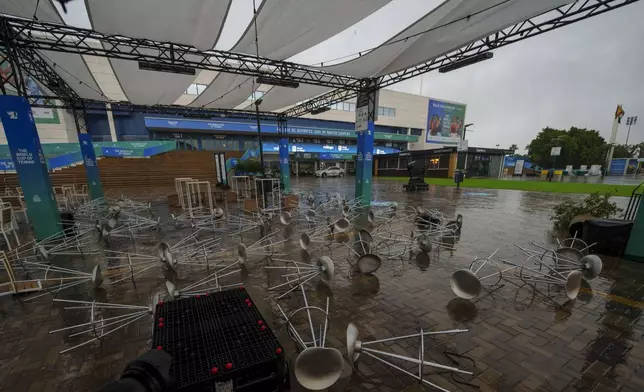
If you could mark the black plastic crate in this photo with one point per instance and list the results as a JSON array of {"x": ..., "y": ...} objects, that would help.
[{"x": 219, "y": 338}]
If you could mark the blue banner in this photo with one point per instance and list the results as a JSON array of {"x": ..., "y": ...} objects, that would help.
[
  {"x": 335, "y": 156},
  {"x": 64, "y": 160},
  {"x": 509, "y": 161},
  {"x": 231, "y": 163},
  {"x": 7, "y": 165},
  {"x": 118, "y": 152},
  {"x": 91, "y": 167},
  {"x": 29, "y": 159},
  {"x": 325, "y": 148}
]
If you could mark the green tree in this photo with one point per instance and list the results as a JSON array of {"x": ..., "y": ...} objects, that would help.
[
  {"x": 513, "y": 147},
  {"x": 578, "y": 147},
  {"x": 629, "y": 151}
]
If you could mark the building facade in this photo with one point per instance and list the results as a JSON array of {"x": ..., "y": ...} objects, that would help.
[{"x": 315, "y": 141}]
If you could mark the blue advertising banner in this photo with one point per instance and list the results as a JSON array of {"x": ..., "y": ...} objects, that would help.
[
  {"x": 91, "y": 167},
  {"x": 285, "y": 170},
  {"x": 509, "y": 161},
  {"x": 267, "y": 128},
  {"x": 7, "y": 165},
  {"x": 328, "y": 148},
  {"x": 335, "y": 156},
  {"x": 118, "y": 152},
  {"x": 231, "y": 163},
  {"x": 64, "y": 160},
  {"x": 29, "y": 159},
  {"x": 445, "y": 121}
]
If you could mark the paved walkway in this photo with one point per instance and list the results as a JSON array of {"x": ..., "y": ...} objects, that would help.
[{"x": 518, "y": 339}]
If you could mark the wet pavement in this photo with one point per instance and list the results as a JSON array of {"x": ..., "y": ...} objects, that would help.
[{"x": 518, "y": 339}]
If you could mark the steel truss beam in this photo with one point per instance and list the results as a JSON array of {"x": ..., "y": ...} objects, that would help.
[
  {"x": 21, "y": 37},
  {"x": 187, "y": 111},
  {"x": 31, "y": 64},
  {"x": 548, "y": 21},
  {"x": 39, "y": 35}
]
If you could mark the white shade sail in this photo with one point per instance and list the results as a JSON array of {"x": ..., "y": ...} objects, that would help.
[
  {"x": 191, "y": 22},
  {"x": 73, "y": 70},
  {"x": 443, "y": 30},
  {"x": 285, "y": 28},
  {"x": 25, "y": 8}
]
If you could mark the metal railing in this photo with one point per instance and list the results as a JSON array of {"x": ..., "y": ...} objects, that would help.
[{"x": 634, "y": 202}]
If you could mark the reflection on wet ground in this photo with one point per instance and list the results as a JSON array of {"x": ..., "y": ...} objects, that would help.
[{"x": 519, "y": 339}]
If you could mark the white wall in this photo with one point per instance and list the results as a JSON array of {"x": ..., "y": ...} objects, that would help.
[
  {"x": 411, "y": 111},
  {"x": 65, "y": 132}
]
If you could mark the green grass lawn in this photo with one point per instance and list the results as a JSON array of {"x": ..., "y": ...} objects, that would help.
[{"x": 534, "y": 186}]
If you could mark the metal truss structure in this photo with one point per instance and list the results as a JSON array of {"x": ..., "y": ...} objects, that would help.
[
  {"x": 21, "y": 38},
  {"x": 39, "y": 35},
  {"x": 551, "y": 20}
]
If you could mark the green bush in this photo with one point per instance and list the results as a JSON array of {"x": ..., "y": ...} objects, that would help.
[
  {"x": 249, "y": 166},
  {"x": 597, "y": 205}
]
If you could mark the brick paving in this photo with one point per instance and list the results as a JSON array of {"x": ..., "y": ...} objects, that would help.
[{"x": 518, "y": 339}]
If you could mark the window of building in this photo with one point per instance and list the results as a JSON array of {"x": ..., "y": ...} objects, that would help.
[
  {"x": 351, "y": 107},
  {"x": 416, "y": 131},
  {"x": 388, "y": 163},
  {"x": 196, "y": 89},
  {"x": 250, "y": 144},
  {"x": 403, "y": 162},
  {"x": 207, "y": 143}
]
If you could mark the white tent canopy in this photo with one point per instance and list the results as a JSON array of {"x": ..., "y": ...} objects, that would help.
[
  {"x": 284, "y": 28},
  {"x": 450, "y": 32}
]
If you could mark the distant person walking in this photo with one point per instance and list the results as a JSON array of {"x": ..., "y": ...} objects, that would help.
[{"x": 551, "y": 173}]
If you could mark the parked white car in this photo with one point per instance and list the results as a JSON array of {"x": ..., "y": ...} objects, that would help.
[{"x": 331, "y": 171}]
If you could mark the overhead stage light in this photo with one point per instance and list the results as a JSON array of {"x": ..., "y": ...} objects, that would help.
[
  {"x": 466, "y": 61},
  {"x": 170, "y": 68},
  {"x": 277, "y": 82},
  {"x": 320, "y": 109}
]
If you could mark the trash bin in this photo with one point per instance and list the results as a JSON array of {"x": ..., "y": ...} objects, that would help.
[{"x": 610, "y": 235}]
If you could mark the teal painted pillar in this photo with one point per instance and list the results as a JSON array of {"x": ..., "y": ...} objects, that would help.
[
  {"x": 366, "y": 116},
  {"x": 89, "y": 155},
  {"x": 364, "y": 166},
  {"x": 635, "y": 246},
  {"x": 29, "y": 160},
  {"x": 285, "y": 169},
  {"x": 91, "y": 167}
]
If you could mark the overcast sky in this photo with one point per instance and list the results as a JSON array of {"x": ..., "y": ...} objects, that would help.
[{"x": 574, "y": 76}]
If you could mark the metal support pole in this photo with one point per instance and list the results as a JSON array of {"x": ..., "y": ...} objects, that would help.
[{"x": 285, "y": 171}]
